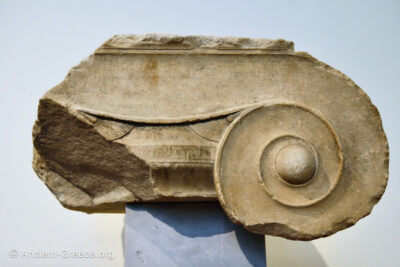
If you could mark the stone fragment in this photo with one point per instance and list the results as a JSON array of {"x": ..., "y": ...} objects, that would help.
[{"x": 289, "y": 146}]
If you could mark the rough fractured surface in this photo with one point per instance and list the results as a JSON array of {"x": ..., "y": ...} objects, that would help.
[
  {"x": 168, "y": 41},
  {"x": 293, "y": 146}
]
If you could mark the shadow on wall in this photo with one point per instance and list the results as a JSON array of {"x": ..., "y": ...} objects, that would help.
[{"x": 282, "y": 253}]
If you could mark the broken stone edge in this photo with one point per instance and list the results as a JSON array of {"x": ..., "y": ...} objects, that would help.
[{"x": 175, "y": 42}]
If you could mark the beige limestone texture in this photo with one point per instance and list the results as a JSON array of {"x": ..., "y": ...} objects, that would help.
[{"x": 293, "y": 147}]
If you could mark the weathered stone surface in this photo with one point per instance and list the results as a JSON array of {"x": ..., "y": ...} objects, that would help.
[
  {"x": 295, "y": 174},
  {"x": 294, "y": 147},
  {"x": 167, "y": 41}
]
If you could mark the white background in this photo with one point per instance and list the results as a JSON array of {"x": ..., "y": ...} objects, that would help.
[{"x": 41, "y": 40}]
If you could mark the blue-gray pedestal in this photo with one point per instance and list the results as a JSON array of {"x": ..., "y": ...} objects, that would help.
[{"x": 188, "y": 234}]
